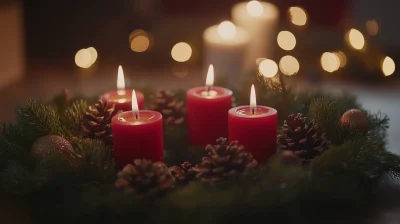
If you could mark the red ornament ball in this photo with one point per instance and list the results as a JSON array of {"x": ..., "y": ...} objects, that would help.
[
  {"x": 51, "y": 145},
  {"x": 355, "y": 119}
]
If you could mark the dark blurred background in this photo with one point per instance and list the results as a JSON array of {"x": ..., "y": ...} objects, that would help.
[
  {"x": 40, "y": 39},
  {"x": 57, "y": 29}
]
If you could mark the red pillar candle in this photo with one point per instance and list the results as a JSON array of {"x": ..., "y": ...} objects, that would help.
[
  {"x": 122, "y": 98},
  {"x": 255, "y": 127},
  {"x": 137, "y": 135},
  {"x": 207, "y": 109}
]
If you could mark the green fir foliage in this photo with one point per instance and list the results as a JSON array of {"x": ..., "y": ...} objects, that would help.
[
  {"x": 95, "y": 159},
  {"x": 73, "y": 116},
  {"x": 82, "y": 190},
  {"x": 38, "y": 119}
]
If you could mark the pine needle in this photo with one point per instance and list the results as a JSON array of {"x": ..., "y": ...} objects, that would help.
[
  {"x": 73, "y": 116},
  {"x": 38, "y": 119}
]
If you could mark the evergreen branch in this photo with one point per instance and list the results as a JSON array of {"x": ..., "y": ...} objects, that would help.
[
  {"x": 344, "y": 102},
  {"x": 379, "y": 123},
  {"x": 95, "y": 157},
  {"x": 324, "y": 111},
  {"x": 341, "y": 174},
  {"x": 10, "y": 131},
  {"x": 391, "y": 164},
  {"x": 38, "y": 119},
  {"x": 8, "y": 151},
  {"x": 17, "y": 179},
  {"x": 73, "y": 117},
  {"x": 10, "y": 135},
  {"x": 326, "y": 114},
  {"x": 282, "y": 84},
  {"x": 364, "y": 157}
]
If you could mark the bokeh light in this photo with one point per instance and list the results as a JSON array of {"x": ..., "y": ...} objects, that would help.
[
  {"x": 298, "y": 16},
  {"x": 93, "y": 55},
  {"x": 268, "y": 68},
  {"x": 254, "y": 8},
  {"x": 140, "y": 44},
  {"x": 180, "y": 70},
  {"x": 140, "y": 41},
  {"x": 356, "y": 39},
  {"x": 388, "y": 66},
  {"x": 286, "y": 40},
  {"x": 342, "y": 58},
  {"x": 372, "y": 27},
  {"x": 259, "y": 60},
  {"x": 181, "y": 52},
  {"x": 226, "y": 30},
  {"x": 83, "y": 58},
  {"x": 330, "y": 62},
  {"x": 289, "y": 65}
]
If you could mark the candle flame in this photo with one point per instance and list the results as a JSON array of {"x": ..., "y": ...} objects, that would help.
[
  {"x": 254, "y": 8},
  {"x": 121, "y": 81},
  {"x": 135, "y": 107},
  {"x": 210, "y": 76},
  {"x": 227, "y": 30},
  {"x": 253, "y": 100}
]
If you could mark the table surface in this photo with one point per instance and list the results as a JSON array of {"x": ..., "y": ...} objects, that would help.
[{"x": 41, "y": 84}]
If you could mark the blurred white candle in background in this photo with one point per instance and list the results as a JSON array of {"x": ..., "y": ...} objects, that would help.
[
  {"x": 225, "y": 47},
  {"x": 261, "y": 20}
]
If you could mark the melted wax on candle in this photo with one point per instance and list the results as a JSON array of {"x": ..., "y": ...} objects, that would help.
[
  {"x": 132, "y": 119},
  {"x": 210, "y": 93},
  {"x": 258, "y": 111}
]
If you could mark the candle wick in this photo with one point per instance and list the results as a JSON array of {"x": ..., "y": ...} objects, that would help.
[
  {"x": 136, "y": 115},
  {"x": 208, "y": 89},
  {"x": 253, "y": 110},
  {"x": 121, "y": 92}
]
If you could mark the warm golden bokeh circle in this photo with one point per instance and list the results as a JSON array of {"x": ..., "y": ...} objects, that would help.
[
  {"x": 268, "y": 68},
  {"x": 289, "y": 65},
  {"x": 181, "y": 52},
  {"x": 286, "y": 40}
]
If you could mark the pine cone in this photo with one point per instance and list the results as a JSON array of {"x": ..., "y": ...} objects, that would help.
[
  {"x": 97, "y": 121},
  {"x": 172, "y": 109},
  {"x": 224, "y": 160},
  {"x": 185, "y": 173},
  {"x": 305, "y": 140},
  {"x": 144, "y": 177}
]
